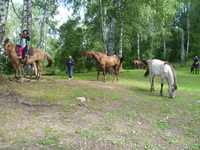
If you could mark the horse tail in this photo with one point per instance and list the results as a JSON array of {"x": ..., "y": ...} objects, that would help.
[
  {"x": 49, "y": 59},
  {"x": 147, "y": 71}
]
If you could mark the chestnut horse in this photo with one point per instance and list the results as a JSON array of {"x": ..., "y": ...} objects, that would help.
[
  {"x": 38, "y": 58},
  {"x": 196, "y": 66},
  {"x": 138, "y": 63},
  {"x": 103, "y": 61}
]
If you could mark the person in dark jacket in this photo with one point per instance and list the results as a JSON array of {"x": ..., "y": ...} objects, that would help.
[
  {"x": 196, "y": 59},
  {"x": 69, "y": 66}
]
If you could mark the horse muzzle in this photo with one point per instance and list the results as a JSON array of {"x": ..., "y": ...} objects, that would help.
[{"x": 6, "y": 53}]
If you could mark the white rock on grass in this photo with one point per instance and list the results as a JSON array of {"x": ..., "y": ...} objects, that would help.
[{"x": 82, "y": 99}]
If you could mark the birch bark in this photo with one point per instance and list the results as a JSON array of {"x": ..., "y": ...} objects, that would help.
[
  {"x": 43, "y": 25},
  {"x": 112, "y": 29},
  {"x": 103, "y": 34},
  {"x": 29, "y": 17},
  {"x": 4, "y": 4}
]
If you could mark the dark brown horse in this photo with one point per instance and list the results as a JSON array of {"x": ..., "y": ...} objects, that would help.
[
  {"x": 195, "y": 66},
  {"x": 103, "y": 61}
]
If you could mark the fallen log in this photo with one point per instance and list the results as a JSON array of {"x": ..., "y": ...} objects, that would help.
[{"x": 43, "y": 74}]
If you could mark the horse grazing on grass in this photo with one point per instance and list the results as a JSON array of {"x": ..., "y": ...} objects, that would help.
[
  {"x": 164, "y": 70},
  {"x": 196, "y": 66},
  {"x": 138, "y": 63},
  {"x": 38, "y": 57},
  {"x": 103, "y": 61}
]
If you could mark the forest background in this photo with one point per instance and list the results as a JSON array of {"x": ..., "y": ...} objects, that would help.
[{"x": 137, "y": 29}]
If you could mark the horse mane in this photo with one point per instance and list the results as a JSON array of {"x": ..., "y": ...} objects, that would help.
[{"x": 173, "y": 72}]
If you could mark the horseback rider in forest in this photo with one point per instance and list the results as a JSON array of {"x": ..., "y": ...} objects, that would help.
[
  {"x": 196, "y": 59},
  {"x": 26, "y": 48}
]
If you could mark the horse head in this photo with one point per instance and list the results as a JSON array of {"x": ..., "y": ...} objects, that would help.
[
  {"x": 172, "y": 90},
  {"x": 89, "y": 57},
  {"x": 123, "y": 59},
  {"x": 7, "y": 46}
]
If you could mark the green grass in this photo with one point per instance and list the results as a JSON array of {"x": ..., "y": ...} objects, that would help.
[{"x": 118, "y": 115}]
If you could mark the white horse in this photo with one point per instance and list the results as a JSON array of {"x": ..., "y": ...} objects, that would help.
[{"x": 164, "y": 70}]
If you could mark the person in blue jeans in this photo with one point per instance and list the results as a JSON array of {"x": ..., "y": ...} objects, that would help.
[{"x": 69, "y": 66}]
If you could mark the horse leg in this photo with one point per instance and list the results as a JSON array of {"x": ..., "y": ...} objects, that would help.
[
  {"x": 115, "y": 74},
  {"x": 104, "y": 73},
  {"x": 98, "y": 71},
  {"x": 152, "y": 79},
  {"x": 39, "y": 66},
  {"x": 162, "y": 83}
]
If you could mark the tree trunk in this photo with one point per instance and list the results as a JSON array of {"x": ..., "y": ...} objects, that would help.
[
  {"x": 182, "y": 46},
  {"x": 43, "y": 25},
  {"x": 24, "y": 15},
  {"x": 188, "y": 33},
  {"x": 4, "y": 4},
  {"x": 121, "y": 27},
  {"x": 112, "y": 29},
  {"x": 151, "y": 48},
  {"x": 103, "y": 37},
  {"x": 138, "y": 46},
  {"x": 164, "y": 47},
  {"x": 29, "y": 17}
]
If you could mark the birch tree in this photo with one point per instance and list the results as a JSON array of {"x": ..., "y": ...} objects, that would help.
[
  {"x": 43, "y": 25},
  {"x": 29, "y": 17},
  {"x": 111, "y": 37},
  {"x": 24, "y": 15},
  {"x": 102, "y": 22},
  {"x": 4, "y": 4}
]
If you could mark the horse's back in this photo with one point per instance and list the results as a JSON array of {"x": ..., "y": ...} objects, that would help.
[
  {"x": 112, "y": 61},
  {"x": 157, "y": 67}
]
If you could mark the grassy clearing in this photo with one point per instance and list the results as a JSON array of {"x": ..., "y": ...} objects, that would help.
[{"x": 119, "y": 115}]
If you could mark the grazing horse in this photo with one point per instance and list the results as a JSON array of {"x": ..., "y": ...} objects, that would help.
[
  {"x": 164, "y": 70},
  {"x": 138, "y": 63},
  {"x": 38, "y": 58},
  {"x": 196, "y": 66},
  {"x": 103, "y": 61}
]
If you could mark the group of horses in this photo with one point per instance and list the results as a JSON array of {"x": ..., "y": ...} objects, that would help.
[{"x": 154, "y": 67}]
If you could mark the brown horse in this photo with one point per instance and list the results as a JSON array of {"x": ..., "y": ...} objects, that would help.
[
  {"x": 38, "y": 58},
  {"x": 195, "y": 66},
  {"x": 138, "y": 63},
  {"x": 103, "y": 61}
]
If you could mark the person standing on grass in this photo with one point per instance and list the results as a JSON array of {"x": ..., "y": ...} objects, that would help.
[{"x": 69, "y": 66}]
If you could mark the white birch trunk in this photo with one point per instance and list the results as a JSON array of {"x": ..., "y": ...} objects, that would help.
[
  {"x": 151, "y": 48},
  {"x": 182, "y": 46},
  {"x": 29, "y": 18},
  {"x": 43, "y": 25},
  {"x": 24, "y": 15},
  {"x": 188, "y": 34},
  {"x": 138, "y": 46},
  {"x": 121, "y": 31},
  {"x": 4, "y": 4},
  {"x": 103, "y": 34},
  {"x": 112, "y": 29}
]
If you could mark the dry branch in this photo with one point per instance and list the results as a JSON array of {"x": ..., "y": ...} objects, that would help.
[{"x": 46, "y": 105}]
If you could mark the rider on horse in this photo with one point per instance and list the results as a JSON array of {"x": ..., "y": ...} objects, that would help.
[{"x": 196, "y": 59}]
